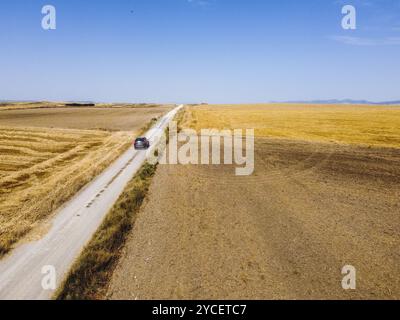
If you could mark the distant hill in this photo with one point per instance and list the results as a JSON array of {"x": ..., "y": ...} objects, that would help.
[
  {"x": 15, "y": 101},
  {"x": 346, "y": 101}
]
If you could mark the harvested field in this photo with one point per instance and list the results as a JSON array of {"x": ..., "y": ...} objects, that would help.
[
  {"x": 108, "y": 119},
  {"x": 355, "y": 124},
  {"x": 40, "y": 169},
  {"x": 310, "y": 208},
  {"x": 28, "y": 105}
]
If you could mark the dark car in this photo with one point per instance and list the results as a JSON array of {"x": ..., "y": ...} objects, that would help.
[{"x": 142, "y": 143}]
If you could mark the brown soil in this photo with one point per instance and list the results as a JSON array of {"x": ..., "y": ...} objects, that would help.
[
  {"x": 283, "y": 233},
  {"x": 115, "y": 119}
]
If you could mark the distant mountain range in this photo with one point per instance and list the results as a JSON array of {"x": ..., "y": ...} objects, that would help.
[{"x": 345, "y": 101}]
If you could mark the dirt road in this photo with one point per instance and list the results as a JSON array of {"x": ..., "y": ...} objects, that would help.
[{"x": 285, "y": 232}]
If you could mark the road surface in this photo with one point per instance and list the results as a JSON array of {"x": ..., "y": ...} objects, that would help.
[{"x": 26, "y": 267}]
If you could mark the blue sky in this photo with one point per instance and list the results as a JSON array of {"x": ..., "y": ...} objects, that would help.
[{"x": 217, "y": 51}]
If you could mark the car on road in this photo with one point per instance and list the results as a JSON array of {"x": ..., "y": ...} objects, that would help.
[{"x": 142, "y": 143}]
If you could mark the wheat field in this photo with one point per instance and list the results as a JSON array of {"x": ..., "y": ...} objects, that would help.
[
  {"x": 42, "y": 168},
  {"x": 348, "y": 124}
]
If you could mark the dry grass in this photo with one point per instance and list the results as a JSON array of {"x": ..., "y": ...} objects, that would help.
[
  {"x": 352, "y": 124},
  {"x": 90, "y": 274},
  {"x": 180, "y": 119},
  {"x": 42, "y": 168}
]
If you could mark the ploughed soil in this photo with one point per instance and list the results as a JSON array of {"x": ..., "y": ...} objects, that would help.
[{"x": 285, "y": 232}]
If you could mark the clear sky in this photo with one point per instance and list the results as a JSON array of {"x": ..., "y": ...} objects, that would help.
[{"x": 217, "y": 51}]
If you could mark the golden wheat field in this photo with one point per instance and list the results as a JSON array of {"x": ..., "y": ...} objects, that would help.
[
  {"x": 47, "y": 155},
  {"x": 350, "y": 124}
]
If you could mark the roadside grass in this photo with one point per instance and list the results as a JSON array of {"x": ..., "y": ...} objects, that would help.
[
  {"x": 90, "y": 274},
  {"x": 377, "y": 126},
  {"x": 180, "y": 118},
  {"x": 148, "y": 126}
]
